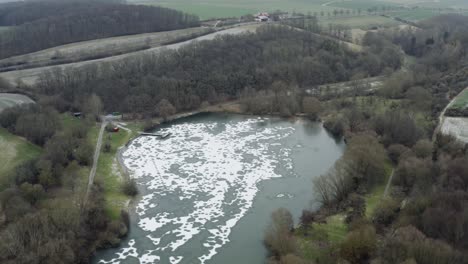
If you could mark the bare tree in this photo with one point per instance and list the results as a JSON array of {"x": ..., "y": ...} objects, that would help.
[
  {"x": 165, "y": 109},
  {"x": 278, "y": 237},
  {"x": 93, "y": 107}
]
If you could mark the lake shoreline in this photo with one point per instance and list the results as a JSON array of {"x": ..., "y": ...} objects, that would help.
[{"x": 132, "y": 202}]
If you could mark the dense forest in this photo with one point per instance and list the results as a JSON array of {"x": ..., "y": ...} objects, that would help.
[
  {"x": 41, "y": 25},
  {"x": 274, "y": 59},
  {"x": 422, "y": 218},
  {"x": 44, "y": 216}
]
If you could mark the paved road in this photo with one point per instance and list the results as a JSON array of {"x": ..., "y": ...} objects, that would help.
[{"x": 97, "y": 153}]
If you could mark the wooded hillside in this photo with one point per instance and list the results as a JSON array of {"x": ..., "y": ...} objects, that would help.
[
  {"x": 217, "y": 70},
  {"x": 41, "y": 25}
]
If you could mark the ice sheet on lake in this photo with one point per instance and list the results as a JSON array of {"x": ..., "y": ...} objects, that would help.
[{"x": 200, "y": 182}]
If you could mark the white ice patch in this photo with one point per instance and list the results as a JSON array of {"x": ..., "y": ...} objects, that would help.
[
  {"x": 282, "y": 195},
  {"x": 124, "y": 253},
  {"x": 457, "y": 127},
  {"x": 201, "y": 181}
]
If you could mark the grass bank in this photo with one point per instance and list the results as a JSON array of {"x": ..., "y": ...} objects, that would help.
[
  {"x": 14, "y": 151},
  {"x": 109, "y": 174},
  {"x": 318, "y": 241}
]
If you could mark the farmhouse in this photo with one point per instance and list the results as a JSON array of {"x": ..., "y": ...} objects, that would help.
[{"x": 262, "y": 17}]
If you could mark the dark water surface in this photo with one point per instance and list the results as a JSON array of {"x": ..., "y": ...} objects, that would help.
[{"x": 208, "y": 191}]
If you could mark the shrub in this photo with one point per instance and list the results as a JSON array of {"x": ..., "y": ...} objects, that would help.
[
  {"x": 336, "y": 126},
  {"x": 359, "y": 245},
  {"x": 385, "y": 213},
  {"x": 312, "y": 107},
  {"x": 32, "y": 193},
  {"x": 278, "y": 237},
  {"x": 423, "y": 148},
  {"x": 358, "y": 208},
  {"x": 84, "y": 154},
  {"x": 307, "y": 217},
  {"x": 395, "y": 151},
  {"x": 413, "y": 172},
  {"x": 291, "y": 259},
  {"x": 107, "y": 146},
  {"x": 130, "y": 188}
]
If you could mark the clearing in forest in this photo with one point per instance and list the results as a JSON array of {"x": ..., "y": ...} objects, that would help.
[
  {"x": 461, "y": 102},
  {"x": 14, "y": 151}
]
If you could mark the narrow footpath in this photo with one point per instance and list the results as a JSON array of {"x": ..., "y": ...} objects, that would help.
[
  {"x": 389, "y": 183},
  {"x": 97, "y": 152}
]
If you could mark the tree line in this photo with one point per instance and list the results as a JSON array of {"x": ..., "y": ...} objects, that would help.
[
  {"x": 41, "y": 25},
  {"x": 43, "y": 215},
  {"x": 213, "y": 71}
]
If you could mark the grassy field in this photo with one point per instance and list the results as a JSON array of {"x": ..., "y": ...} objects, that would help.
[
  {"x": 227, "y": 8},
  {"x": 100, "y": 48},
  {"x": 415, "y": 14},
  {"x": 374, "y": 197},
  {"x": 109, "y": 173},
  {"x": 10, "y": 100},
  {"x": 310, "y": 239},
  {"x": 362, "y": 4},
  {"x": 4, "y": 28},
  {"x": 461, "y": 101},
  {"x": 334, "y": 230},
  {"x": 14, "y": 151},
  {"x": 362, "y": 22},
  {"x": 30, "y": 76}
]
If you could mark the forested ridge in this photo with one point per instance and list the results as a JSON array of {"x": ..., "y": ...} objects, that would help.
[
  {"x": 217, "y": 70},
  {"x": 17, "y": 13},
  {"x": 421, "y": 216},
  {"x": 41, "y": 25},
  {"x": 276, "y": 60}
]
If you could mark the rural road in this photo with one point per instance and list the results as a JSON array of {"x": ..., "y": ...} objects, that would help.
[
  {"x": 328, "y": 3},
  {"x": 97, "y": 152},
  {"x": 30, "y": 76}
]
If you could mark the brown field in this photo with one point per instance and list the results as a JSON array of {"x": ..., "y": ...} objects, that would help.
[
  {"x": 99, "y": 48},
  {"x": 30, "y": 76}
]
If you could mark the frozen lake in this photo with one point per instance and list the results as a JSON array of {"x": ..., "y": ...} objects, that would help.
[{"x": 207, "y": 192}]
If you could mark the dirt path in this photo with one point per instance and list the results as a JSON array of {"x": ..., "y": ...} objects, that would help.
[
  {"x": 328, "y": 3},
  {"x": 119, "y": 125},
  {"x": 389, "y": 183},
  {"x": 97, "y": 152}
]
